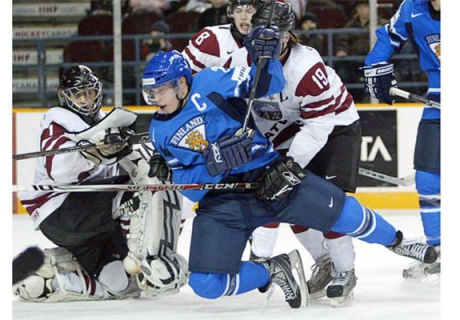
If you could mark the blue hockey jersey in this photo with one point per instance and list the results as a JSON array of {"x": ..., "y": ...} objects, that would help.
[
  {"x": 418, "y": 21},
  {"x": 215, "y": 108}
]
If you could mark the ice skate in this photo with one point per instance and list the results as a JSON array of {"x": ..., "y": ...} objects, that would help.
[
  {"x": 280, "y": 269},
  {"x": 320, "y": 277},
  {"x": 414, "y": 248},
  {"x": 340, "y": 291},
  {"x": 419, "y": 270}
]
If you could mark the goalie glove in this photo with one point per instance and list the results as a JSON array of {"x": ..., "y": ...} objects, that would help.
[{"x": 279, "y": 180}]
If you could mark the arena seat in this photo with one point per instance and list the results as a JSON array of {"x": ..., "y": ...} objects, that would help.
[
  {"x": 182, "y": 22},
  {"x": 96, "y": 25},
  {"x": 85, "y": 51},
  {"x": 330, "y": 18}
]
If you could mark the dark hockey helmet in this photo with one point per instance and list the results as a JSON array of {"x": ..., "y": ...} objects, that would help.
[
  {"x": 232, "y": 4},
  {"x": 283, "y": 16},
  {"x": 163, "y": 68},
  {"x": 80, "y": 90}
]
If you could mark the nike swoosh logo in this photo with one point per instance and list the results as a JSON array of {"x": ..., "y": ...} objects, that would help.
[
  {"x": 331, "y": 203},
  {"x": 415, "y": 15},
  {"x": 329, "y": 177},
  {"x": 229, "y": 52}
]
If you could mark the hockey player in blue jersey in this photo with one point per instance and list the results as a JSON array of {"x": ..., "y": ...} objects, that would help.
[
  {"x": 420, "y": 22},
  {"x": 198, "y": 133}
]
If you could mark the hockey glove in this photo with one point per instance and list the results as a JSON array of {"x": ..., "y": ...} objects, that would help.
[
  {"x": 263, "y": 42},
  {"x": 159, "y": 167},
  {"x": 279, "y": 180},
  {"x": 229, "y": 153},
  {"x": 379, "y": 78}
]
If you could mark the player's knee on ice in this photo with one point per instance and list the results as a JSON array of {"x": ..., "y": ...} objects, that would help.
[{"x": 207, "y": 285}]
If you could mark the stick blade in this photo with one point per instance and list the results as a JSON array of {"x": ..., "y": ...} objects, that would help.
[{"x": 27, "y": 263}]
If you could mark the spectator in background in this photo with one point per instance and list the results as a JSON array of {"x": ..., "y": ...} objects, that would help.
[
  {"x": 309, "y": 22},
  {"x": 215, "y": 15},
  {"x": 299, "y": 7},
  {"x": 142, "y": 6},
  {"x": 156, "y": 43},
  {"x": 354, "y": 44},
  {"x": 197, "y": 5}
]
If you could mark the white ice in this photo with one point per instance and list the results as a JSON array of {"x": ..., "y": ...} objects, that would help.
[{"x": 381, "y": 292}]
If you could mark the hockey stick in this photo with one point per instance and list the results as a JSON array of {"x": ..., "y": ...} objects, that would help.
[
  {"x": 27, "y": 263},
  {"x": 82, "y": 147},
  {"x": 260, "y": 64},
  {"x": 131, "y": 187},
  {"x": 410, "y": 96},
  {"x": 404, "y": 182}
]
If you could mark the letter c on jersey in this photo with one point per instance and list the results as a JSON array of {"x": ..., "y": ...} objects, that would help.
[{"x": 199, "y": 107}]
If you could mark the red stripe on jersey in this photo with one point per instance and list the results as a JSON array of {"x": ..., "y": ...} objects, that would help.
[
  {"x": 206, "y": 42},
  {"x": 49, "y": 159},
  {"x": 314, "y": 82},
  {"x": 52, "y": 134},
  {"x": 228, "y": 63},
  {"x": 346, "y": 104},
  {"x": 315, "y": 114},
  {"x": 193, "y": 58},
  {"x": 34, "y": 204},
  {"x": 285, "y": 134}
]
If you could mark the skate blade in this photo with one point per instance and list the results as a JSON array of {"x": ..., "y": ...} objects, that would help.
[
  {"x": 296, "y": 264},
  {"x": 318, "y": 295},
  {"x": 341, "y": 301}
]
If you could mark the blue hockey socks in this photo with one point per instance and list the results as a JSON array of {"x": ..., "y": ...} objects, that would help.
[
  {"x": 215, "y": 285},
  {"x": 429, "y": 188},
  {"x": 365, "y": 224}
]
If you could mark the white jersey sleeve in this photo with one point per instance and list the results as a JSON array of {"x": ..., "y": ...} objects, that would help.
[
  {"x": 311, "y": 104},
  {"x": 210, "y": 47},
  {"x": 62, "y": 169}
]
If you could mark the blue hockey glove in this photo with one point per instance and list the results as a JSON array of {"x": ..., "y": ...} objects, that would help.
[
  {"x": 379, "y": 78},
  {"x": 263, "y": 42},
  {"x": 229, "y": 153}
]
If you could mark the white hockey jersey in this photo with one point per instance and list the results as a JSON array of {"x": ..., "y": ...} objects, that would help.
[
  {"x": 313, "y": 102},
  {"x": 211, "y": 47},
  {"x": 60, "y": 169}
]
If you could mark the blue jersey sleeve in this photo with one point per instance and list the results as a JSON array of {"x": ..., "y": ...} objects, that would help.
[
  {"x": 391, "y": 36},
  {"x": 237, "y": 82}
]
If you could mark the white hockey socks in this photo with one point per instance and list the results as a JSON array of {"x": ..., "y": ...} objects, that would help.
[{"x": 263, "y": 242}]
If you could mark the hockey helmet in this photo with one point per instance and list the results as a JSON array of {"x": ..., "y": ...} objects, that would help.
[
  {"x": 163, "y": 68},
  {"x": 80, "y": 89},
  {"x": 232, "y": 4},
  {"x": 283, "y": 16}
]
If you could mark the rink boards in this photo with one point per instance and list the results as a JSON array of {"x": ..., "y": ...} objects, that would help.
[{"x": 388, "y": 143}]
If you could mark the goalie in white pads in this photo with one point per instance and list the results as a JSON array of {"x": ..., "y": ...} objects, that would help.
[{"x": 88, "y": 227}]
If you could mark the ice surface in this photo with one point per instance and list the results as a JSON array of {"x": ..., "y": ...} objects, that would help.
[{"x": 381, "y": 292}]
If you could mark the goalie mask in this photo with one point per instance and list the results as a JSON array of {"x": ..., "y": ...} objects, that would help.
[
  {"x": 80, "y": 90},
  {"x": 164, "y": 68}
]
